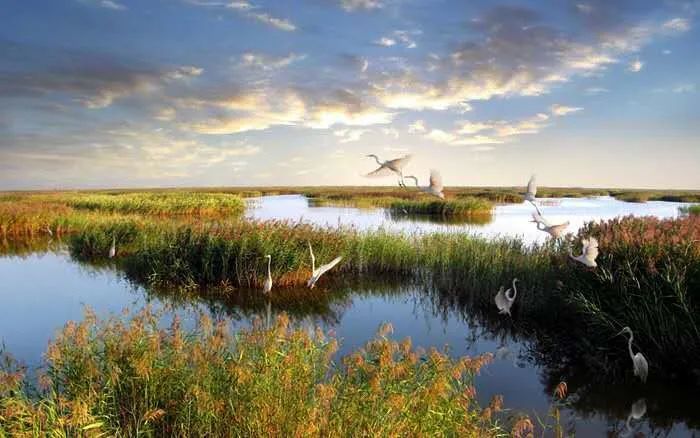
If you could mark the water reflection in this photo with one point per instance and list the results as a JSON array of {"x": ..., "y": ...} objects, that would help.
[{"x": 41, "y": 292}]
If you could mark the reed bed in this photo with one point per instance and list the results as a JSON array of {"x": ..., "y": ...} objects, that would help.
[
  {"x": 464, "y": 207},
  {"x": 691, "y": 210},
  {"x": 199, "y": 204},
  {"x": 132, "y": 378}
]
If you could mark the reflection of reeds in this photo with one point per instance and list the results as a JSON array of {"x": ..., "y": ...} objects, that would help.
[{"x": 131, "y": 378}]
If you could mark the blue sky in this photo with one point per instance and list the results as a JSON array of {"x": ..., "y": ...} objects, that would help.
[{"x": 124, "y": 93}]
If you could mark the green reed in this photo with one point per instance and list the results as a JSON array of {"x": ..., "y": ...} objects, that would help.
[
  {"x": 133, "y": 378},
  {"x": 463, "y": 207}
]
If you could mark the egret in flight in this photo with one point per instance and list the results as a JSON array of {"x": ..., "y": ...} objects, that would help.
[
  {"x": 639, "y": 362},
  {"x": 532, "y": 192},
  {"x": 588, "y": 254},
  {"x": 113, "y": 248},
  {"x": 388, "y": 167},
  {"x": 504, "y": 301},
  {"x": 317, "y": 272},
  {"x": 267, "y": 286},
  {"x": 544, "y": 225},
  {"x": 435, "y": 188}
]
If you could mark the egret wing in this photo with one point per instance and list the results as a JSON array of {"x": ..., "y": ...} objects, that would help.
[
  {"x": 398, "y": 163},
  {"x": 532, "y": 186},
  {"x": 537, "y": 217},
  {"x": 382, "y": 171},
  {"x": 328, "y": 266},
  {"x": 436, "y": 180},
  {"x": 641, "y": 366},
  {"x": 590, "y": 248}
]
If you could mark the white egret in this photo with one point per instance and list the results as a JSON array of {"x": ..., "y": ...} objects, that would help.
[
  {"x": 113, "y": 248},
  {"x": 544, "y": 225},
  {"x": 48, "y": 231},
  {"x": 317, "y": 272},
  {"x": 267, "y": 286},
  {"x": 504, "y": 301},
  {"x": 435, "y": 188},
  {"x": 588, "y": 253},
  {"x": 639, "y": 362},
  {"x": 532, "y": 192},
  {"x": 388, "y": 167}
]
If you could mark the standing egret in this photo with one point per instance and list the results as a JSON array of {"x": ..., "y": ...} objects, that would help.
[
  {"x": 544, "y": 225},
  {"x": 504, "y": 301},
  {"x": 532, "y": 192},
  {"x": 639, "y": 363},
  {"x": 267, "y": 286},
  {"x": 113, "y": 248},
  {"x": 588, "y": 253},
  {"x": 317, "y": 272},
  {"x": 435, "y": 188},
  {"x": 388, "y": 167}
]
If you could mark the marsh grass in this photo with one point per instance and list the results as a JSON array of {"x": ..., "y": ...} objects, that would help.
[
  {"x": 178, "y": 203},
  {"x": 463, "y": 207},
  {"x": 691, "y": 210},
  {"x": 132, "y": 378}
]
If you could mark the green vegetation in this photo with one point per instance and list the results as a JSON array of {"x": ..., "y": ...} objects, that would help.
[
  {"x": 210, "y": 204},
  {"x": 691, "y": 210},
  {"x": 132, "y": 378},
  {"x": 463, "y": 207}
]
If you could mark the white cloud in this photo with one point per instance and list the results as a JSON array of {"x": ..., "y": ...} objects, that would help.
[
  {"x": 562, "y": 110},
  {"x": 268, "y": 62},
  {"x": 249, "y": 10},
  {"x": 677, "y": 25},
  {"x": 349, "y": 135},
  {"x": 417, "y": 127},
  {"x": 353, "y": 5},
  {"x": 107, "y": 4},
  {"x": 390, "y": 132},
  {"x": 385, "y": 41},
  {"x": 592, "y": 91},
  {"x": 684, "y": 88},
  {"x": 635, "y": 66}
]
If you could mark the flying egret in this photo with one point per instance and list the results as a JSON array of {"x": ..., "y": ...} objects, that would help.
[
  {"x": 317, "y": 272},
  {"x": 113, "y": 248},
  {"x": 588, "y": 253},
  {"x": 504, "y": 301},
  {"x": 435, "y": 188},
  {"x": 267, "y": 286},
  {"x": 639, "y": 363},
  {"x": 532, "y": 192},
  {"x": 388, "y": 167},
  {"x": 544, "y": 225}
]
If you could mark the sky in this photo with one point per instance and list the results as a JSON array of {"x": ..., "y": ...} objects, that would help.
[{"x": 164, "y": 93}]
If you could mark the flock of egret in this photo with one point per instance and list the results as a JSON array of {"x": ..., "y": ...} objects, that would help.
[{"x": 504, "y": 300}]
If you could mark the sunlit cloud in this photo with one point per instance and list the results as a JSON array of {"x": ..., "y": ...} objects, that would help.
[
  {"x": 269, "y": 62},
  {"x": 562, "y": 110},
  {"x": 635, "y": 66},
  {"x": 417, "y": 127},
  {"x": 354, "y": 5},
  {"x": 677, "y": 24}
]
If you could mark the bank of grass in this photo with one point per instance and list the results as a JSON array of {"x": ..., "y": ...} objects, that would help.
[
  {"x": 132, "y": 378},
  {"x": 177, "y": 203},
  {"x": 29, "y": 215}
]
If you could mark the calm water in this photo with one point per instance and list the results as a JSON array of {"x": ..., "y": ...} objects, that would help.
[
  {"x": 41, "y": 292},
  {"x": 508, "y": 220}
]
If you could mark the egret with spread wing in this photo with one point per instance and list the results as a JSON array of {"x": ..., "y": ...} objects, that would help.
[
  {"x": 317, "y": 272},
  {"x": 544, "y": 225},
  {"x": 504, "y": 301},
  {"x": 639, "y": 362},
  {"x": 435, "y": 188},
  {"x": 588, "y": 254},
  {"x": 388, "y": 167},
  {"x": 532, "y": 192}
]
